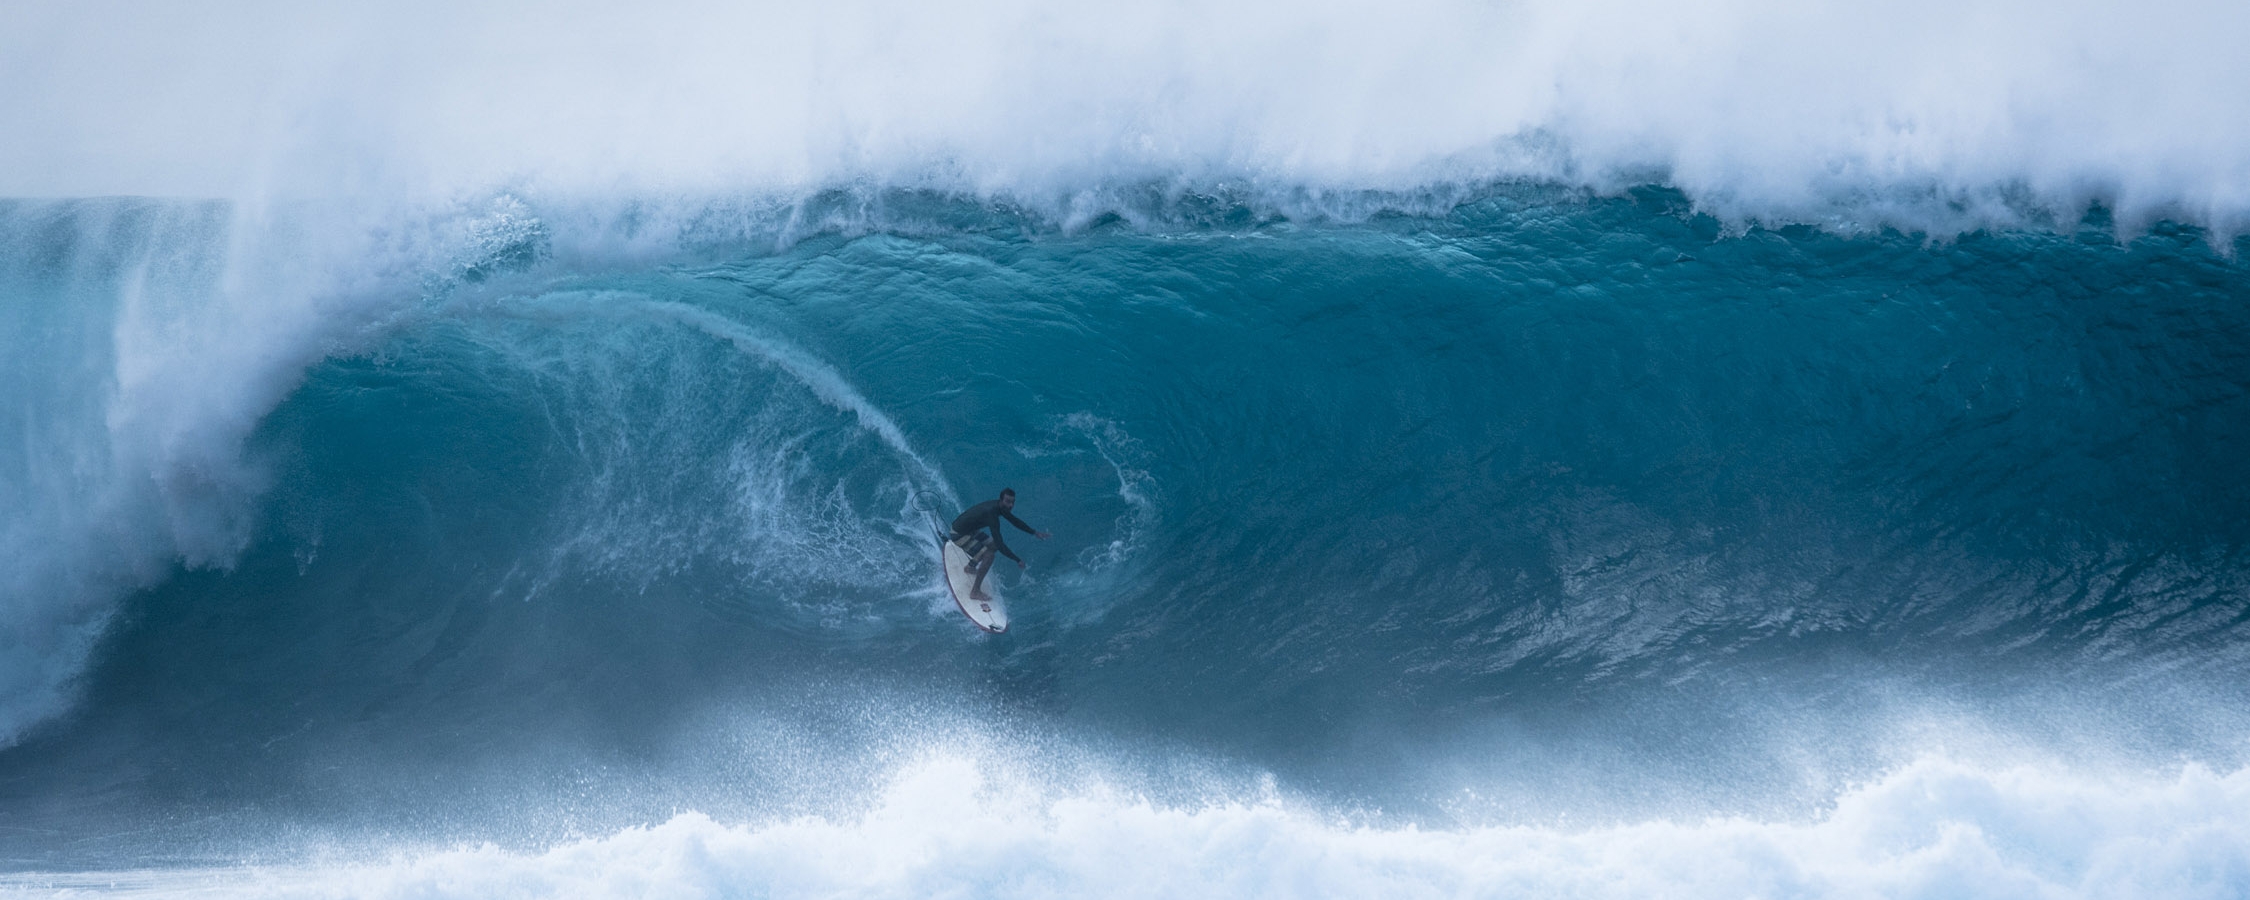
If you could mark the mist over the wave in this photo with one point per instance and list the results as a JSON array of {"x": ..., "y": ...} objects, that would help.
[{"x": 1936, "y": 116}]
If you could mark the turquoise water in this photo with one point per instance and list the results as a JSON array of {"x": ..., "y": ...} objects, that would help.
[{"x": 1538, "y": 512}]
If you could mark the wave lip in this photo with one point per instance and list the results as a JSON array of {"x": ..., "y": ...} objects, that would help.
[
  {"x": 1925, "y": 116},
  {"x": 145, "y": 340}
]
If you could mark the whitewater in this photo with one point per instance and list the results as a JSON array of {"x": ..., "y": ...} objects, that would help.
[{"x": 1493, "y": 449}]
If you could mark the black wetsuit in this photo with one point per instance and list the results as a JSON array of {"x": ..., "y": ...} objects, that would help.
[{"x": 988, "y": 515}]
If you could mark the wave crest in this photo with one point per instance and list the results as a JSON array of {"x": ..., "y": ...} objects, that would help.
[{"x": 1939, "y": 117}]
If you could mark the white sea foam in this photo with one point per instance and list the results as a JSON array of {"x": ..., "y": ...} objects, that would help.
[
  {"x": 192, "y": 321},
  {"x": 130, "y": 434},
  {"x": 1935, "y": 828},
  {"x": 781, "y": 531},
  {"x": 1924, "y": 114}
]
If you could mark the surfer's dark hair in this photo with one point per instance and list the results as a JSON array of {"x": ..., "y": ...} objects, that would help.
[{"x": 1007, "y": 492}]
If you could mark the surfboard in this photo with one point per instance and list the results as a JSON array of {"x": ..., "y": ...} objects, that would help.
[{"x": 990, "y": 615}]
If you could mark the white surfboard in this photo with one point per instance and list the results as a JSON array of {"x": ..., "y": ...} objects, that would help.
[{"x": 990, "y": 615}]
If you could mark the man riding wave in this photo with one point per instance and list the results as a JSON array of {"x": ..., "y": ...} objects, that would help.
[{"x": 977, "y": 533}]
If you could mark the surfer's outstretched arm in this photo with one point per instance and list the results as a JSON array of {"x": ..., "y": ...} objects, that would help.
[
  {"x": 1002, "y": 546},
  {"x": 1012, "y": 520}
]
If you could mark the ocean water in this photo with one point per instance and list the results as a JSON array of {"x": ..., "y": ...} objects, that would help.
[{"x": 1491, "y": 450}]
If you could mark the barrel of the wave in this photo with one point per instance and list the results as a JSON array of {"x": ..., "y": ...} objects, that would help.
[{"x": 989, "y": 613}]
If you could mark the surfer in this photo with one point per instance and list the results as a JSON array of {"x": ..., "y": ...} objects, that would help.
[{"x": 970, "y": 530}]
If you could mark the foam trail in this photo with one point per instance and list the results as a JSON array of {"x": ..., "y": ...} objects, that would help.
[
  {"x": 832, "y": 388},
  {"x": 1134, "y": 487},
  {"x": 820, "y": 378}
]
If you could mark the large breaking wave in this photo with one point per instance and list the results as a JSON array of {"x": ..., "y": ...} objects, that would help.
[
  {"x": 1461, "y": 451},
  {"x": 1394, "y": 511}
]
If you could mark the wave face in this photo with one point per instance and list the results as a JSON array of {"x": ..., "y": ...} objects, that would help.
[{"x": 1547, "y": 514}]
